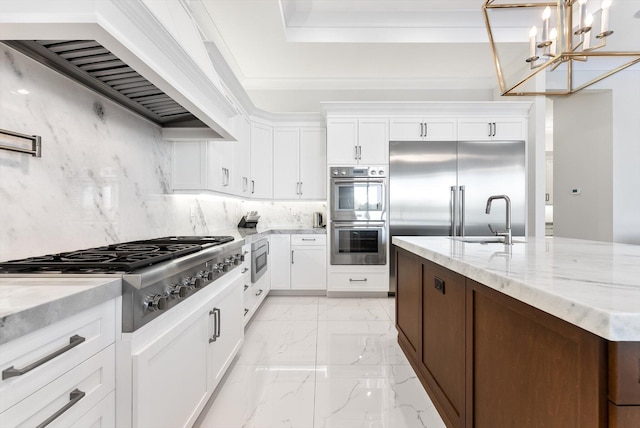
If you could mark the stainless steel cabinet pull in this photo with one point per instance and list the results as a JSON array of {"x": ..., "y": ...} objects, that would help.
[
  {"x": 253, "y": 187},
  {"x": 245, "y": 287},
  {"x": 426, "y": 129},
  {"x": 357, "y": 280},
  {"x": 246, "y": 311},
  {"x": 216, "y": 324},
  {"x": 355, "y": 152},
  {"x": 259, "y": 292},
  {"x": 421, "y": 129},
  {"x": 292, "y": 256},
  {"x": 245, "y": 270},
  {"x": 490, "y": 130},
  {"x": 74, "y": 396},
  {"x": 308, "y": 239},
  {"x": 74, "y": 341},
  {"x": 300, "y": 189}
]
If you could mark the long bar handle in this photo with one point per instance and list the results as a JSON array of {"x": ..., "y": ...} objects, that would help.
[
  {"x": 292, "y": 256},
  {"x": 74, "y": 341},
  {"x": 253, "y": 187},
  {"x": 462, "y": 203},
  {"x": 357, "y": 280},
  {"x": 421, "y": 129},
  {"x": 74, "y": 396},
  {"x": 36, "y": 143},
  {"x": 454, "y": 210}
]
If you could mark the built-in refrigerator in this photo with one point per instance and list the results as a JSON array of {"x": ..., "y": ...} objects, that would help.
[{"x": 440, "y": 188}]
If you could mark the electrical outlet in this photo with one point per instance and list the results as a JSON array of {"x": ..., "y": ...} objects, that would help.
[{"x": 192, "y": 211}]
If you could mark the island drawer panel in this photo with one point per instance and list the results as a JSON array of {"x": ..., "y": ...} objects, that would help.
[{"x": 624, "y": 373}]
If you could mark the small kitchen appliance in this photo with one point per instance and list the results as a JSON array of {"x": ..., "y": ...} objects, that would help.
[
  {"x": 249, "y": 220},
  {"x": 318, "y": 220}
]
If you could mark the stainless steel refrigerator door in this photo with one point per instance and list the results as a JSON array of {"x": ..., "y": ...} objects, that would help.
[
  {"x": 488, "y": 168},
  {"x": 421, "y": 174}
]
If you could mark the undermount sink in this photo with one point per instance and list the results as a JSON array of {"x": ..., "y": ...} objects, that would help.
[{"x": 482, "y": 239}]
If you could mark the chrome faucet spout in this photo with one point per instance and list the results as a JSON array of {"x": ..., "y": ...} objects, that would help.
[{"x": 507, "y": 232}]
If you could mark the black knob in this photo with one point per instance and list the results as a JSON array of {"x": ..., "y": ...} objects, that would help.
[
  {"x": 226, "y": 268},
  {"x": 200, "y": 282},
  {"x": 179, "y": 291},
  {"x": 208, "y": 276},
  {"x": 158, "y": 303}
]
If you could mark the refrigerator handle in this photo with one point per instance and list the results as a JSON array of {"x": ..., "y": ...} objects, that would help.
[
  {"x": 454, "y": 210},
  {"x": 461, "y": 210}
]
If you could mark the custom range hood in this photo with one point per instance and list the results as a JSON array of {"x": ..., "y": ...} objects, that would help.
[
  {"x": 145, "y": 55},
  {"x": 94, "y": 66}
]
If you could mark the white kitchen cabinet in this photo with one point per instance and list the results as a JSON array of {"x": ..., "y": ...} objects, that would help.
[
  {"x": 299, "y": 262},
  {"x": 355, "y": 279},
  {"x": 357, "y": 141},
  {"x": 176, "y": 369},
  {"x": 261, "y": 185},
  {"x": 202, "y": 165},
  {"x": 245, "y": 272},
  {"x": 82, "y": 354},
  {"x": 227, "y": 331},
  {"x": 299, "y": 163},
  {"x": 219, "y": 164},
  {"x": 422, "y": 129},
  {"x": 492, "y": 128},
  {"x": 280, "y": 249},
  {"x": 308, "y": 262},
  {"x": 241, "y": 169}
]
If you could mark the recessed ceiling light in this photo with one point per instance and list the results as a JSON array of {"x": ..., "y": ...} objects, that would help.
[{"x": 23, "y": 91}]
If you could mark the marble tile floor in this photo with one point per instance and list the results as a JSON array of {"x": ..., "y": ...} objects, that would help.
[{"x": 313, "y": 362}]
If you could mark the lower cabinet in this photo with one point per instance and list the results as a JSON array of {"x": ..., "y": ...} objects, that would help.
[
  {"x": 488, "y": 360},
  {"x": 175, "y": 372},
  {"x": 61, "y": 374},
  {"x": 299, "y": 262}
]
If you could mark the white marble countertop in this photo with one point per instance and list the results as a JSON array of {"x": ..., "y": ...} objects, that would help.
[
  {"x": 27, "y": 304},
  {"x": 593, "y": 285}
]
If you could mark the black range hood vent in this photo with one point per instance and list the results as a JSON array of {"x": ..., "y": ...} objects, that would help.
[{"x": 94, "y": 66}]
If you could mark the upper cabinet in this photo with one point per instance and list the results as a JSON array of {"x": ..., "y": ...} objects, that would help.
[
  {"x": 357, "y": 141},
  {"x": 261, "y": 185},
  {"x": 492, "y": 128},
  {"x": 422, "y": 129},
  {"x": 299, "y": 163}
]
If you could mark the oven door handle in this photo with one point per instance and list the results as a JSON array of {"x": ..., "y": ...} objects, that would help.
[
  {"x": 359, "y": 225},
  {"x": 357, "y": 180}
]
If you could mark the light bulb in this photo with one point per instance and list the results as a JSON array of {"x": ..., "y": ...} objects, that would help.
[
  {"x": 533, "y": 32},
  {"x": 547, "y": 13}
]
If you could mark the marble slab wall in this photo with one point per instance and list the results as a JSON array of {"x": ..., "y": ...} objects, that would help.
[{"x": 104, "y": 175}]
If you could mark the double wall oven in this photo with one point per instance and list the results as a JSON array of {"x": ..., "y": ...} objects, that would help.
[{"x": 358, "y": 216}]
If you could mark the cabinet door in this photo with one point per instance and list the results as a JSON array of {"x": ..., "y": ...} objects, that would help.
[
  {"x": 219, "y": 160},
  {"x": 342, "y": 139},
  {"x": 443, "y": 338},
  {"x": 373, "y": 139},
  {"x": 189, "y": 165},
  {"x": 227, "y": 331},
  {"x": 475, "y": 129},
  {"x": 509, "y": 129},
  {"x": 308, "y": 268},
  {"x": 543, "y": 371},
  {"x": 440, "y": 129},
  {"x": 280, "y": 262},
  {"x": 313, "y": 163},
  {"x": 406, "y": 129},
  {"x": 261, "y": 185},
  {"x": 409, "y": 301},
  {"x": 286, "y": 160},
  {"x": 176, "y": 362}
]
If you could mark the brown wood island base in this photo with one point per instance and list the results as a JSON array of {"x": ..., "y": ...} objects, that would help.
[{"x": 490, "y": 361}]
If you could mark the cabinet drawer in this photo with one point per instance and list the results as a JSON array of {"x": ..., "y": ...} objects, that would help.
[
  {"x": 358, "y": 282},
  {"x": 101, "y": 415},
  {"x": 70, "y": 341},
  {"x": 77, "y": 391},
  {"x": 309, "y": 240}
]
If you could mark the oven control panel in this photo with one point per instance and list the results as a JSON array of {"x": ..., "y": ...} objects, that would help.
[{"x": 357, "y": 171}]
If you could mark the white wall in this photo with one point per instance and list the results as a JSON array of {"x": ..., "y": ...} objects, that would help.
[
  {"x": 104, "y": 175},
  {"x": 583, "y": 159}
]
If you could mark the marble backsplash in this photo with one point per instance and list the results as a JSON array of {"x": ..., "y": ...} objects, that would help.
[{"x": 104, "y": 174}]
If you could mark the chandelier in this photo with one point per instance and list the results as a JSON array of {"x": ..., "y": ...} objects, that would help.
[{"x": 563, "y": 37}]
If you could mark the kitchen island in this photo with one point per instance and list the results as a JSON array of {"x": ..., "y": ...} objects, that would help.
[{"x": 541, "y": 333}]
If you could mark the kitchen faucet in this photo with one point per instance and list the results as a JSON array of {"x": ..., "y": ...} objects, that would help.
[{"x": 506, "y": 233}]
